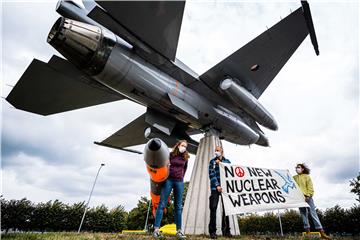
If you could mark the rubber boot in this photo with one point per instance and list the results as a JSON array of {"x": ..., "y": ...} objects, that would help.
[{"x": 323, "y": 235}]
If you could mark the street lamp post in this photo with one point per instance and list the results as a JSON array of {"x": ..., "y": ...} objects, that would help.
[{"x": 87, "y": 204}]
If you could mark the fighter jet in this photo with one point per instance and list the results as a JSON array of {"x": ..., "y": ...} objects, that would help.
[{"x": 117, "y": 50}]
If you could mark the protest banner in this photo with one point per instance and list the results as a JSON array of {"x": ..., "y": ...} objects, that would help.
[{"x": 251, "y": 189}]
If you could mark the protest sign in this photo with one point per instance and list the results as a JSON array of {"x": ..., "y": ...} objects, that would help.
[{"x": 251, "y": 189}]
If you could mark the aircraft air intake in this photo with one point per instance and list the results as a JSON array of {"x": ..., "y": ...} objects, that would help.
[{"x": 86, "y": 46}]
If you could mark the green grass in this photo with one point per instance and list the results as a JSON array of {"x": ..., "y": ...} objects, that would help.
[{"x": 111, "y": 236}]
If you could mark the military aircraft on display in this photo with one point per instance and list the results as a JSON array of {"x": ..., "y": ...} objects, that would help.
[{"x": 118, "y": 50}]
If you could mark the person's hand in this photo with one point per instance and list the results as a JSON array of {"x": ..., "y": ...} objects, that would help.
[
  {"x": 217, "y": 161},
  {"x": 219, "y": 189},
  {"x": 307, "y": 199}
]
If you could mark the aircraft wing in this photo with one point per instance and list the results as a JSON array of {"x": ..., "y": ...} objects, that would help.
[
  {"x": 157, "y": 125},
  {"x": 130, "y": 135},
  {"x": 57, "y": 86},
  {"x": 257, "y": 63},
  {"x": 157, "y": 23}
]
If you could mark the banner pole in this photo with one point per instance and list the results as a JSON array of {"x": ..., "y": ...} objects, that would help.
[
  {"x": 147, "y": 217},
  {"x": 281, "y": 229}
]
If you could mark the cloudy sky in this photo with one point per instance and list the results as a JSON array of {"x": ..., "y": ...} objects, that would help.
[{"x": 315, "y": 100}]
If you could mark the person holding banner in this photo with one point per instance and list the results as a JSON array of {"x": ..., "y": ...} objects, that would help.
[
  {"x": 303, "y": 180},
  {"x": 214, "y": 175}
]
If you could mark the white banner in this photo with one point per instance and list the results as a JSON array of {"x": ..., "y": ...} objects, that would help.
[{"x": 250, "y": 189}]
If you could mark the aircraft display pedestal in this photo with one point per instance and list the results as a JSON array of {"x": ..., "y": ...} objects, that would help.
[{"x": 196, "y": 212}]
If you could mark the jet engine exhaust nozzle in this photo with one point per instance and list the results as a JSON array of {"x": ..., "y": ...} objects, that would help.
[{"x": 86, "y": 46}]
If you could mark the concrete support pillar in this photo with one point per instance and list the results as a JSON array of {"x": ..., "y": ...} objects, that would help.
[{"x": 196, "y": 212}]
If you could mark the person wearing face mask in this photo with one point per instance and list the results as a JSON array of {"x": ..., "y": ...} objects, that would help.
[
  {"x": 303, "y": 180},
  {"x": 214, "y": 175},
  {"x": 178, "y": 164}
]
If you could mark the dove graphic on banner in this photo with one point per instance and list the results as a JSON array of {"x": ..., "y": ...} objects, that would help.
[{"x": 289, "y": 183}]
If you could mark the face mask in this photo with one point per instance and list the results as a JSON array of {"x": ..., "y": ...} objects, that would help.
[
  {"x": 298, "y": 170},
  {"x": 182, "y": 149},
  {"x": 217, "y": 153}
]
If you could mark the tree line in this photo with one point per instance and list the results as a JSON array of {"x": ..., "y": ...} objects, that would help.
[
  {"x": 54, "y": 216},
  {"x": 24, "y": 215}
]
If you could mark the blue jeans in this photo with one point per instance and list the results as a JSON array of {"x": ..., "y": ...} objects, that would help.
[
  {"x": 304, "y": 211},
  {"x": 178, "y": 187}
]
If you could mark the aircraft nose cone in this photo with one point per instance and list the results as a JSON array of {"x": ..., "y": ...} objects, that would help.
[{"x": 155, "y": 144}]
